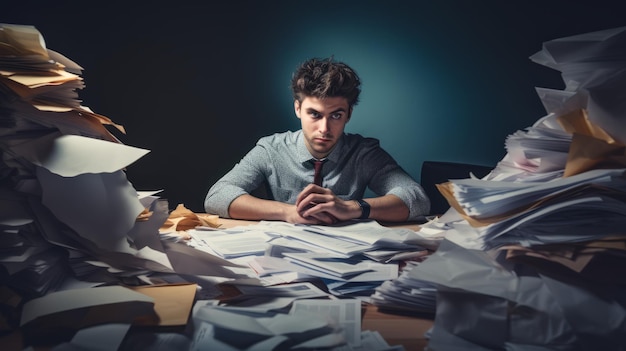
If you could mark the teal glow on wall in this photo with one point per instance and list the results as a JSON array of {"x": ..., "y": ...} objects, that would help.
[
  {"x": 431, "y": 90},
  {"x": 198, "y": 84}
]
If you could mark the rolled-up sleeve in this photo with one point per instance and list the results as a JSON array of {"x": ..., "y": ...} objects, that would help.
[
  {"x": 388, "y": 177},
  {"x": 243, "y": 178}
]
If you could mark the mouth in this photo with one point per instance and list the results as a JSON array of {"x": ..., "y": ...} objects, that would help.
[{"x": 322, "y": 140}]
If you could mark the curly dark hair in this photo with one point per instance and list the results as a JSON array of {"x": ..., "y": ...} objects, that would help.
[{"x": 322, "y": 78}]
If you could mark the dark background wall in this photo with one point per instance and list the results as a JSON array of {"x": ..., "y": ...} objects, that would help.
[{"x": 198, "y": 82}]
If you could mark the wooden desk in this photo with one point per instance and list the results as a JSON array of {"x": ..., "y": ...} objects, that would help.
[{"x": 397, "y": 329}]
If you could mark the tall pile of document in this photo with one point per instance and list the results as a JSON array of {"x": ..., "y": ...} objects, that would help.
[
  {"x": 534, "y": 259},
  {"x": 65, "y": 200},
  {"x": 67, "y": 209}
]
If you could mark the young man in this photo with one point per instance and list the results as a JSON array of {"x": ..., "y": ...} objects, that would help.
[{"x": 325, "y": 93}]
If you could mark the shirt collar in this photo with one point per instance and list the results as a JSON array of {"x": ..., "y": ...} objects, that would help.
[{"x": 336, "y": 153}]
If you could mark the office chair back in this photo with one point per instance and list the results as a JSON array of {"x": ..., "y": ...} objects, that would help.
[{"x": 437, "y": 172}]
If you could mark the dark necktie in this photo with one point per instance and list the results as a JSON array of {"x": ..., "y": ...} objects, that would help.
[{"x": 317, "y": 178}]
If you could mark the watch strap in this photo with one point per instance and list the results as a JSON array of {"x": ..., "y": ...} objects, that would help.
[{"x": 365, "y": 209}]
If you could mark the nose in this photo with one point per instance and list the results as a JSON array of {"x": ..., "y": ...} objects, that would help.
[{"x": 324, "y": 125}]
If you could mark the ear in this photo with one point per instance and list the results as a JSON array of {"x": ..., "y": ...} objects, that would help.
[
  {"x": 296, "y": 107},
  {"x": 349, "y": 115}
]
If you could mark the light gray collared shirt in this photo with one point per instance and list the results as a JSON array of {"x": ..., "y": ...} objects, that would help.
[{"x": 283, "y": 163}]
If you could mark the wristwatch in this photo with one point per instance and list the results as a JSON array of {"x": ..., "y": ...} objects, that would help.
[{"x": 365, "y": 209}]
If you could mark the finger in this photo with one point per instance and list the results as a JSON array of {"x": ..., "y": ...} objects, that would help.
[
  {"x": 302, "y": 207},
  {"x": 331, "y": 218},
  {"x": 311, "y": 205},
  {"x": 326, "y": 218},
  {"x": 305, "y": 192},
  {"x": 309, "y": 220},
  {"x": 322, "y": 211},
  {"x": 298, "y": 218},
  {"x": 312, "y": 200},
  {"x": 317, "y": 218},
  {"x": 312, "y": 189}
]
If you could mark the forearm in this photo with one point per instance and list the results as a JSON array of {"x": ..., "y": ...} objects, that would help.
[
  {"x": 388, "y": 208},
  {"x": 253, "y": 208},
  {"x": 406, "y": 190}
]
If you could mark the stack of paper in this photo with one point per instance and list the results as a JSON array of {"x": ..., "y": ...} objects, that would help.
[
  {"x": 406, "y": 294},
  {"x": 490, "y": 303},
  {"x": 536, "y": 154},
  {"x": 352, "y": 258},
  {"x": 64, "y": 189},
  {"x": 500, "y": 206},
  {"x": 333, "y": 325},
  {"x": 46, "y": 137},
  {"x": 530, "y": 264},
  {"x": 70, "y": 218}
]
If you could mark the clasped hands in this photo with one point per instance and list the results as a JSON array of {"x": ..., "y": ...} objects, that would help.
[{"x": 318, "y": 205}]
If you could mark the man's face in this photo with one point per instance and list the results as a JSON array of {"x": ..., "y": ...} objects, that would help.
[{"x": 323, "y": 121}]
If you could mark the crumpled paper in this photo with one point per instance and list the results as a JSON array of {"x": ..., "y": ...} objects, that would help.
[{"x": 182, "y": 219}]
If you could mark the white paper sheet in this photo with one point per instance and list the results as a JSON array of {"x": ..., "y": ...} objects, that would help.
[{"x": 71, "y": 155}]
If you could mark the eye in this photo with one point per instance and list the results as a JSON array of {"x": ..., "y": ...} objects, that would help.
[
  {"x": 315, "y": 114},
  {"x": 336, "y": 115}
]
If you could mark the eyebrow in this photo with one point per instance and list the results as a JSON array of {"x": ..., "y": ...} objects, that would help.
[{"x": 341, "y": 109}]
